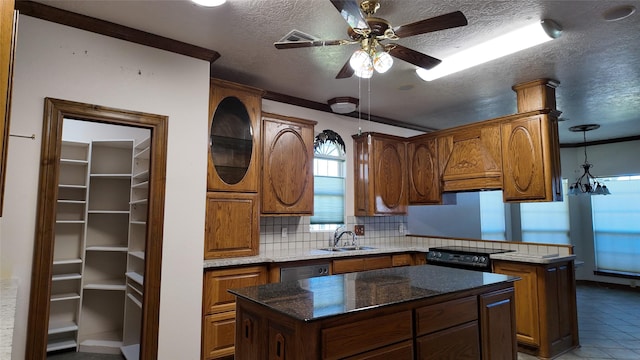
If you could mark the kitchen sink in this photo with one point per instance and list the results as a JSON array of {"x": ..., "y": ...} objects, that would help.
[{"x": 347, "y": 248}]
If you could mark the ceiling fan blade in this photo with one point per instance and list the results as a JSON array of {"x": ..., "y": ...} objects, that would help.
[
  {"x": 301, "y": 44},
  {"x": 351, "y": 12},
  {"x": 442, "y": 22},
  {"x": 416, "y": 58},
  {"x": 346, "y": 71}
]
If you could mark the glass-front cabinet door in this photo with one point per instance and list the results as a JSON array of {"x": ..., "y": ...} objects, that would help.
[{"x": 234, "y": 137}]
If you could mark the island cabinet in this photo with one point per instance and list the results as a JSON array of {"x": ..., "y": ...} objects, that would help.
[
  {"x": 380, "y": 181},
  {"x": 546, "y": 314},
  {"x": 232, "y": 211},
  {"x": 470, "y": 157},
  {"x": 287, "y": 166},
  {"x": 400, "y": 313},
  {"x": 531, "y": 159},
  {"x": 424, "y": 176},
  {"x": 218, "y": 308}
]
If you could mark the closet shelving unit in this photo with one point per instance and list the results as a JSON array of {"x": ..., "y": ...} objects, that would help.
[
  {"x": 138, "y": 207},
  {"x": 106, "y": 247},
  {"x": 99, "y": 247},
  {"x": 68, "y": 244}
]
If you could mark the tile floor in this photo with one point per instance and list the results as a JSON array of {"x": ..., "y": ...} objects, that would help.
[
  {"x": 608, "y": 324},
  {"x": 608, "y": 321}
]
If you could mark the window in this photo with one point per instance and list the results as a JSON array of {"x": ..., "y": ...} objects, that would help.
[
  {"x": 616, "y": 226},
  {"x": 329, "y": 187},
  {"x": 492, "y": 216},
  {"x": 546, "y": 222}
]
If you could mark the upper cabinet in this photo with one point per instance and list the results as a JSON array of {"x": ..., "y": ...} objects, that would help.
[
  {"x": 380, "y": 169},
  {"x": 8, "y": 35},
  {"x": 287, "y": 165},
  {"x": 470, "y": 157},
  {"x": 424, "y": 176},
  {"x": 531, "y": 159},
  {"x": 234, "y": 137}
]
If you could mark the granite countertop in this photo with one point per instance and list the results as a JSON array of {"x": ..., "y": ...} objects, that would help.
[
  {"x": 8, "y": 295},
  {"x": 283, "y": 256},
  {"x": 532, "y": 258},
  {"x": 306, "y": 254},
  {"x": 325, "y": 296}
]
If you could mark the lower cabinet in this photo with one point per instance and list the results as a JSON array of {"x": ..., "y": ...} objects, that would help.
[
  {"x": 497, "y": 316},
  {"x": 342, "y": 266},
  {"x": 219, "y": 315},
  {"x": 546, "y": 313}
]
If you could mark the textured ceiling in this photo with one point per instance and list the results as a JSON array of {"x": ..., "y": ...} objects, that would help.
[{"x": 597, "y": 62}]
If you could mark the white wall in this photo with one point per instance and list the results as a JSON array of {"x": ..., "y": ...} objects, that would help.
[{"x": 61, "y": 62}]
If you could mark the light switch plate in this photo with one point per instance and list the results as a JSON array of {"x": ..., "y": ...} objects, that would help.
[{"x": 285, "y": 232}]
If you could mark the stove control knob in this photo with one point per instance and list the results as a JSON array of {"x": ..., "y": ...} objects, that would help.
[
  {"x": 475, "y": 259},
  {"x": 483, "y": 259}
]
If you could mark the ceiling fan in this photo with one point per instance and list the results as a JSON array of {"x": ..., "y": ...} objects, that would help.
[{"x": 372, "y": 33}]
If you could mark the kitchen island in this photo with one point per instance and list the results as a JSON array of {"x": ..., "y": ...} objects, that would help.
[{"x": 416, "y": 312}]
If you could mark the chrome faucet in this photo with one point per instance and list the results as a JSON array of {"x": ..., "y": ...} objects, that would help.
[{"x": 337, "y": 235}]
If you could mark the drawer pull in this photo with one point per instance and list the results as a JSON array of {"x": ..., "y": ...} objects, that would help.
[
  {"x": 248, "y": 329},
  {"x": 279, "y": 347}
]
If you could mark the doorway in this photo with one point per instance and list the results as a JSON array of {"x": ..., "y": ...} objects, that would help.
[{"x": 148, "y": 293}]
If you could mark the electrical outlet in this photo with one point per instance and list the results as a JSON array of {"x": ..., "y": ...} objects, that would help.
[
  {"x": 401, "y": 228},
  {"x": 285, "y": 232},
  {"x": 359, "y": 230}
]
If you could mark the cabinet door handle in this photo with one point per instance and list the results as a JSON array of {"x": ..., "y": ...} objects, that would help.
[
  {"x": 279, "y": 347},
  {"x": 248, "y": 327}
]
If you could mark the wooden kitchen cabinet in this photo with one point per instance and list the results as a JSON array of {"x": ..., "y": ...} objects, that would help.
[
  {"x": 470, "y": 157},
  {"x": 8, "y": 36},
  {"x": 287, "y": 166},
  {"x": 499, "y": 336},
  {"x": 531, "y": 159},
  {"x": 424, "y": 175},
  {"x": 232, "y": 226},
  {"x": 218, "y": 308},
  {"x": 380, "y": 165},
  {"x": 342, "y": 266},
  {"x": 545, "y": 299},
  {"x": 234, "y": 137}
]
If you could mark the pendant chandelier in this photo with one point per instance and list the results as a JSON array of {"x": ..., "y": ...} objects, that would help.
[{"x": 587, "y": 184}]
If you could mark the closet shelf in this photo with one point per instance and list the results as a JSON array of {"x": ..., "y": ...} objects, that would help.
[
  {"x": 131, "y": 352},
  {"x": 138, "y": 254},
  {"x": 134, "y": 300},
  {"x": 67, "y": 261},
  {"x": 111, "y": 285},
  {"x": 122, "y": 248},
  {"x": 61, "y": 344},
  {"x": 62, "y": 327},
  {"x": 64, "y": 297},
  {"x": 135, "y": 277},
  {"x": 62, "y": 277}
]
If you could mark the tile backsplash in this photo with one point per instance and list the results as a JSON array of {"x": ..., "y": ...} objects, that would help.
[{"x": 379, "y": 230}]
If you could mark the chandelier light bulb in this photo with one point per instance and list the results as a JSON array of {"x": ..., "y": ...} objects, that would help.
[
  {"x": 382, "y": 62},
  {"x": 361, "y": 64}
]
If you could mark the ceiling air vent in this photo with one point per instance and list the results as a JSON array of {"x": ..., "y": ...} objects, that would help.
[{"x": 297, "y": 35}]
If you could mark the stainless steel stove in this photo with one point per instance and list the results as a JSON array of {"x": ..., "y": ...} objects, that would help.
[{"x": 463, "y": 257}]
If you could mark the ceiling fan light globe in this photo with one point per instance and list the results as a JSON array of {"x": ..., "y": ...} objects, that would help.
[
  {"x": 361, "y": 64},
  {"x": 382, "y": 62}
]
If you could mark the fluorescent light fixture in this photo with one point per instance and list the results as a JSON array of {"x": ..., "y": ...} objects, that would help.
[
  {"x": 209, "y": 3},
  {"x": 509, "y": 43}
]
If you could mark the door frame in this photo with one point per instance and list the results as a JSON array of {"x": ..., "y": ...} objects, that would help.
[{"x": 55, "y": 110}]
